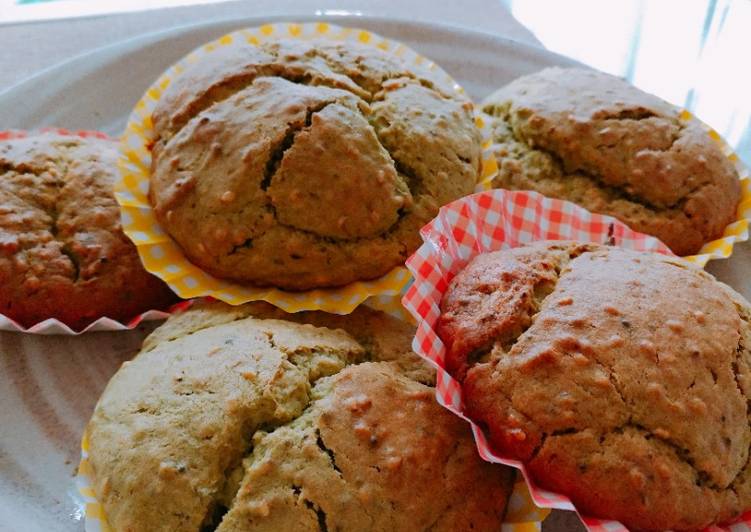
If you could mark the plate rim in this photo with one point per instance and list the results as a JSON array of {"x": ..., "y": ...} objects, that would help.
[{"x": 350, "y": 20}]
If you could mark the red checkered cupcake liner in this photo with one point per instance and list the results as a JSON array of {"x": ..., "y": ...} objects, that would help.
[{"x": 491, "y": 221}]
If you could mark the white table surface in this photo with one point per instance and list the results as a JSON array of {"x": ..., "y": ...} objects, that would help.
[{"x": 26, "y": 48}]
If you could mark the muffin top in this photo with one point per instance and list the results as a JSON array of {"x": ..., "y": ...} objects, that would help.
[
  {"x": 232, "y": 419},
  {"x": 62, "y": 251},
  {"x": 620, "y": 378},
  {"x": 596, "y": 140},
  {"x": 307, "y": 164}
]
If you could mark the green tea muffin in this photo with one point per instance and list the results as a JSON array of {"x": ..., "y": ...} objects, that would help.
[
  {"x": 591, "y": 138},
  {"x": 307, "y": 164},
  {"x": 246, "y": 418},
  {"x": 63, "y": 254},
  {"x": 620, "y": 379}
]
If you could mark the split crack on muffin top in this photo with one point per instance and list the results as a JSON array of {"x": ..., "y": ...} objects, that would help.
[
  {"x": 593, "y": 139},
  {"x": 247, "y": 418},
  {"x": 623, "y": 382},
  {"x": 307, "y": 164},
  {"x": 62, "y": 251}
]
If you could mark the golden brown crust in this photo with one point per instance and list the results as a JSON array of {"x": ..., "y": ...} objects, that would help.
[
  {"x": 307, "y": 164},
  {"x": 361, "y": 457},
  {"x": 63, "y": 254},
  {"x": 593, "y": 380},
  {"x": 241, "y": 419},
  {"x": 493, "y": 300},
  {"x": 593, "y": 139}
]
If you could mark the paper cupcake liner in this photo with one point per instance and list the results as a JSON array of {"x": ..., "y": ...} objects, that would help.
[
  {"x": 737, "y": 231},
  {"x": 164, "y": 258},
  {"x": 490, "y": 221},
  {"x": 53, "y": 326}
]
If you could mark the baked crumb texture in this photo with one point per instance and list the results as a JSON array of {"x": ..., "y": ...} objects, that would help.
[
  {"x": 304, "y": 164},
  {"x": 63, "y": 254},
  {"x": 246, "y": 418},
  {"x": 591, "y": 138},
  {"x": 619, "y": 378}
]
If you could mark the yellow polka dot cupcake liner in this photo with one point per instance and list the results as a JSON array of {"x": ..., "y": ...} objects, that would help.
[
  {"x": 737, "y": 231},
  {"x": 164, "y": 258},
  {"x": 521, "y": 514}
]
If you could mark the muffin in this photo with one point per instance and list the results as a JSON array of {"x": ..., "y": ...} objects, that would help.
[
  {"x": 619, "y": 378},
  {"x": 246, "y": 418},
  {"x": 62, "y": 251},
  {"x": 307, "y": 164},
  {"x": 595, "y": 140}
]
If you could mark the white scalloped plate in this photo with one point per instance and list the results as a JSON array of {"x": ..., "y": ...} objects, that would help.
[{"x": 49, "y": 385}]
